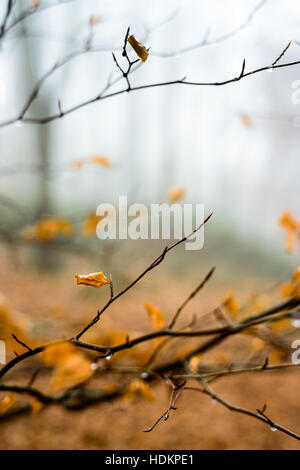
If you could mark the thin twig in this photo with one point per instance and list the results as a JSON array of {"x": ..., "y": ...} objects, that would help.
[
  {"x": 259, "y": 415},
  {"x": 153, "y": 265},
  {"x": 21, "y": 342}
]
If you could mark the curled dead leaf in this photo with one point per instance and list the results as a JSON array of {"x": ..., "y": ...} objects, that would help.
[
  {"x": 100, "y": 160},
  {"x": 36, "y": 406},
  {"x": 47, "y": 229},
  {"x": 92, "y": 279},
  {"x": 230, "y": 303},
  {"x": 291, "y": 226},
  {"x": 139, "y": 48},
  {"x": 246, "y": 120},
  {"x": 139, "y": 387},
  {"x": 176, "y": 194},
  {"x": 90, "y": 224},
  {"x": 155, "y": 315},
  {"x": 7, "y": 402},
  {"x": 194, "y": 363},
  {"x": 71, "y": 366},
  {"x": 94, "y": 20}
]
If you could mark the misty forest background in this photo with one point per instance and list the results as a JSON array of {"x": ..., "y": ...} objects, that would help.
[{"x": 233, "y": 148}]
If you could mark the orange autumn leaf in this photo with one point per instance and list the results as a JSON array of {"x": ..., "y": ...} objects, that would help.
[
  {"x": 230, "y": 303},
  {"x": 155, "y": 315},
  {"x": 176, "y": 194},
  {"x": 109, "y": 388},
  {"x": 286, "y": 289},
  {"x": 289, "y": 288},
  {"x": 280, "y": 325},
  {"x": 257, "y": 344},
  {"x": 253, "y": 330},
  {"x": 7, "y": 402},
  {"x": 221, "y": 357},
  {"x": 94, "y": 20},
  {"x": 139, "y": 48},
  {"x": 296, "y": 276},
  {"x": 47, "y": 229},
  {"x": 246, "y": 120},
  {"x": 74, "y": 370},
  {"x": 90, "y": 224},
  {"x": 287, "y": 221},
  {"x": 71, "y": 366},
  {"x": 194, "y": 363},
  {"x": 291, "y": 226},
  {"x": 92, "y": 279},
  {"x": 100, "y": 160},
  {"x": 277, "y": 356},
  {"x": 12, "y": 321},
  {"x": 257, "y": 303},
  {"x": 181, "y": 352},
  {"x": 36, "y": 406},
  {"x": 114, "y": 337},
  {"x": 56, "y": 353},
  {"x": 78, "y": 164},
  {"x": 139, "y": 387},
  {"x": 34, "y": 4}
]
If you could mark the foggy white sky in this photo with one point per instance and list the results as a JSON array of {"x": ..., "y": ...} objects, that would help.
[{"x": 162, "y": 137}]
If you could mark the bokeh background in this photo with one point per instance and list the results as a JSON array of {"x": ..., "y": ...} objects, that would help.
[{"x": 233, "y": 148}]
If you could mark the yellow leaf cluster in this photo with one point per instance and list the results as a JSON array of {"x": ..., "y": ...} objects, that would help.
[
  {"x": 176, "y": 194},
  {"x": 155, "y": 315},
  {"x": 95, "y": 159},
  {"x": 7, "y": 402},
  {"x": 12, "y": 321},
  {"x": 257, "y": 302},
  {"x": 277, "y": 356},
  {"x": 141, "y": 388},
  {"x": 71, "y": 366},
  {"x": 47, "y": 229},
  {"x": 289, "y": 288},
  {"x": 100, "y": 160},
  {"x": 292, "y": 228},
  {"x": 90, "y": 224},
  {"x": 280, "y": 325},
  {"x": 92, "y": 279},
  {"x": 296, "y": 276},
  {"x": 286, "y": 289},
  {"x": 230, "y": 303},
  {"x": 139, "y": 48}
]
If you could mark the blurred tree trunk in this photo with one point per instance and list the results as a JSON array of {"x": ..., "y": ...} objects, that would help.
[{"x": 33, "y": 52}]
